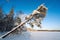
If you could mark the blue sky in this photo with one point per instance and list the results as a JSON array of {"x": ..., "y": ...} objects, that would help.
[{"x": 52, "y": 19}]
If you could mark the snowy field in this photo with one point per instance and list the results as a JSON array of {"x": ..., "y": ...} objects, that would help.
[{"x": 33, "y": 36}]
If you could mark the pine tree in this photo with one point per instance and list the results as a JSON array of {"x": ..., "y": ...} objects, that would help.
[
  {"x": 1, "y": 13},
  {"x": 10, "y": 20},
  {"x": 1, "y": 20}
]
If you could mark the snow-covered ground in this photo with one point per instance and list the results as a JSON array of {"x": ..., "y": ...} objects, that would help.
[{"x": 33, "y": 36}]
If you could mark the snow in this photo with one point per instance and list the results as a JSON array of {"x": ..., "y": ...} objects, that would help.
[{"x": 33, "y": 36}]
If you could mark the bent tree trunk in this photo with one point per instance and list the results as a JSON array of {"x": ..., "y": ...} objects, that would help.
[{"x": 21, "y": 24}]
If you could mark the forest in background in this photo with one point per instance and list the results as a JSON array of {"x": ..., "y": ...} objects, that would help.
[{"x": 7, "y": 21}]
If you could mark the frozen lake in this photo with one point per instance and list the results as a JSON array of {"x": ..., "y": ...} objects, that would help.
[{"x": 34, "y": 36}]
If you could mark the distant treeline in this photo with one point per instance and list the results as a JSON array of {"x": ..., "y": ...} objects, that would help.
[
  {"x": 50, "y": 30},
  {"x": 7, "y": 22}
]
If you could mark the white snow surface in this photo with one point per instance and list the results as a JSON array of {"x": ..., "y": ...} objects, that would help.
[{"x": 33, "y": 36}]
